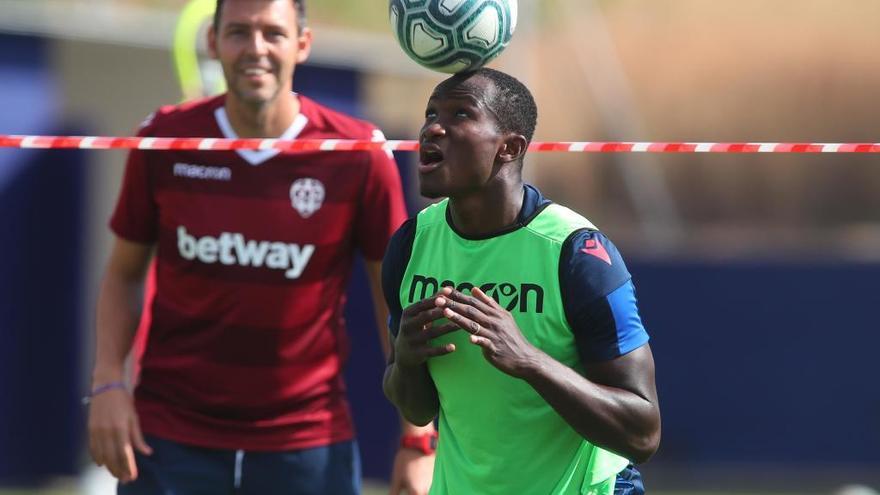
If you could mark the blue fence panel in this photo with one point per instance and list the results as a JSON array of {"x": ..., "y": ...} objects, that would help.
[{"x": 765, "y": 362}]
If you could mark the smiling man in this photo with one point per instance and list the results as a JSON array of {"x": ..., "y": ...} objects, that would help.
[
  {"x": 241, "y": 385},
  {"x": 514, "y": 319}
]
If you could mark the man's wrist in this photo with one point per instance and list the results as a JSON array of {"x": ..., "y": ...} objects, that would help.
[
  {"x": 426, "y": 443},
  {"x": 107, "y": 374},
  {"x": 533, "y": 367},
  {"x": 100, "y": 389}
]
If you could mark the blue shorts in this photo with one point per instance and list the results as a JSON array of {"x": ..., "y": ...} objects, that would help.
[
  {"x": 177, "y": 469},
  {"x": 629, "y": 482}
]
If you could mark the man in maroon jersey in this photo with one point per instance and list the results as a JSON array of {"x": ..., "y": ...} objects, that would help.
[{"x": 241, "y": 378}]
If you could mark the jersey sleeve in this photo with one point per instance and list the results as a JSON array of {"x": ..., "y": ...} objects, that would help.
[
  {"x": 135, "y": 217},
  {"x": 393, "y": 268},
  {"x": 382, "y": 207},
  {"x": 599, "y": 297}
]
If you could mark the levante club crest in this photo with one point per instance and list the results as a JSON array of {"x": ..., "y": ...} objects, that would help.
[{"x": 307, "y": 196}]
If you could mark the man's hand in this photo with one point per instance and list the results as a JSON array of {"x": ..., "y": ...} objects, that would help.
[
  {"x": 412, "y": 346},
  {"x": 413, "y": 472},
  {"x": 492, "y": 328},
  {"x": 114, "y": 432}
]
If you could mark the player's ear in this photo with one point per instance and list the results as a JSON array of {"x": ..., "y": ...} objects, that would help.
[
  {"x": 304, "y": 40},
  {"x": 513, "y": 148},
  {"x": 212, "y": 42}
]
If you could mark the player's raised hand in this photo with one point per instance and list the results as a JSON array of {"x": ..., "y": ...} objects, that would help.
[
  {"x": 492, "y": 328},
  {"x": 114, "y": 433},
  {"x": 418, "y": 326}
]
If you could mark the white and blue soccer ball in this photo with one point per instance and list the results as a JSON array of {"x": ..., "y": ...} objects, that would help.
[{"x": 453, "y": 35}]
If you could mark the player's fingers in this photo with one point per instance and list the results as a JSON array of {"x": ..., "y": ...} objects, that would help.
[
  {"x": 137, "y": 438},
  {"x": 481, "y": 341},
  {"x": 439, "y": 330},
  {"x": 467, "y": 319},
  {"x": 418, "y": 321},
  {"x": 484, "y": 298},
  {"x": 130, "y": 463},
  {"x": 111, "y": 458},
  {"x": 426, "y": 317},
  {"x": 106, "y": 439},
  {"x": 442, "y": 350},
  {"x": 457, "y": 299},
  {"x": 470, "y": 299},
  {"x": 95, "y": 449},
  {"x": 464, "y": 323},
  {"x": 120, "y": 456},
  {"x": 417, "y": 307}
]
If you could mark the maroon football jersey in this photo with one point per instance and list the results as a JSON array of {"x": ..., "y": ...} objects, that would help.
[{"x": 254, "y": 251}]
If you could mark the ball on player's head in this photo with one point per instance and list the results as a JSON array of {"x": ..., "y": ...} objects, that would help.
[{"x": 453, "y": 35}]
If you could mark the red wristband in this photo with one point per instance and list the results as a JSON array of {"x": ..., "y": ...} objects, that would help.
[{"x": 426, "y": 443}]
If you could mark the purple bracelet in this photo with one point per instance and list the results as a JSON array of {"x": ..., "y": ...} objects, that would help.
[{"x": 100, "y": 390}]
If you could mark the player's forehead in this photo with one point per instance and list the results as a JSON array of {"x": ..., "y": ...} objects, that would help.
[
  {"x": 476, "y": 89},
  {"x": 277, "y": 12}
]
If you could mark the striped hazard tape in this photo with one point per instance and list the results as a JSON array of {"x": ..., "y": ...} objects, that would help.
[{"x": 161, "y": 143}]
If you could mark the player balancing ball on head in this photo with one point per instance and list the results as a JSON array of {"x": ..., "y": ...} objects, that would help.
[{"x": 453, "y": 35}]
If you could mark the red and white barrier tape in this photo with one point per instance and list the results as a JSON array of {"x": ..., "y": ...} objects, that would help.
[{"x": 151, "y": 143}]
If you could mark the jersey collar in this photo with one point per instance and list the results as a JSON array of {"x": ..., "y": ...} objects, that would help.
[
  {"x": 533, "y": 203},
  {"x": 256, "y": 157}
]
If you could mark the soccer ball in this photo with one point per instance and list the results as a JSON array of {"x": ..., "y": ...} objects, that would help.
[{"x": 453, "y": 35}]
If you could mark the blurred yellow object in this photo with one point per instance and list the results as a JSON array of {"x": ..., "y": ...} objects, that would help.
[{"x": 196, "y": 80}]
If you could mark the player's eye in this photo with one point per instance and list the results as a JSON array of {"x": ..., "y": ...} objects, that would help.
[
  {"x": 274, "y": 35},
  {"x": 430, "y": 113},
  {"x": 462, "y": 113},
  {"x": 236, "y": 32}
]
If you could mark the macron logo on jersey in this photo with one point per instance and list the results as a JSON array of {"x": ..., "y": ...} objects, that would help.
[
  {"x": 202, "y": 172},
  {"x": 231, "y": 248},
  {"x": 508, "y": 295}
]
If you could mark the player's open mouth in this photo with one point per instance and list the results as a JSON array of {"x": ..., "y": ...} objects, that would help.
[{"x": 430, "y": 157}]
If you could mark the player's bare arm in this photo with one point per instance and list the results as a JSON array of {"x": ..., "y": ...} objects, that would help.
[
  {"x": 380, "y": 309},
  {"x": 407, "y": 383},
  {"x": 413, "y": 470},
  {"x": 374, "y": 273},
  {"x": 613, "y": 406},
  {"x": 113, "y": 425}
]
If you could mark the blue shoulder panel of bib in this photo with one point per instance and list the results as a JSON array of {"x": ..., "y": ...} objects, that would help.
[
  {"x": 533, "y": 203},
  {"x": 394, "y": 264},
  {"x": 599, "y": 297}
]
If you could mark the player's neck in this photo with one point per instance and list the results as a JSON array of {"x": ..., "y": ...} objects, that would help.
[
  {"x": 489, "y": 211},
  {"x": 269, "y": 120}
]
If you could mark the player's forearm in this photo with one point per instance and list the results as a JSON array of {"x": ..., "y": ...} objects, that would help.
[
  {"x": 118, "y": 312},
  {"x": 615, "y": 419},
  {"x": 413, "y": 392}
]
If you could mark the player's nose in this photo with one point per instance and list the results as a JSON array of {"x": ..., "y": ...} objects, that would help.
[
  {"x": 257, "y": 44},
  {"x": 431, "y": 130}
]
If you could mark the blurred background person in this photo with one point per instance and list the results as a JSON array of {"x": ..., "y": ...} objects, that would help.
[{"x": 240, "y": 384}]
